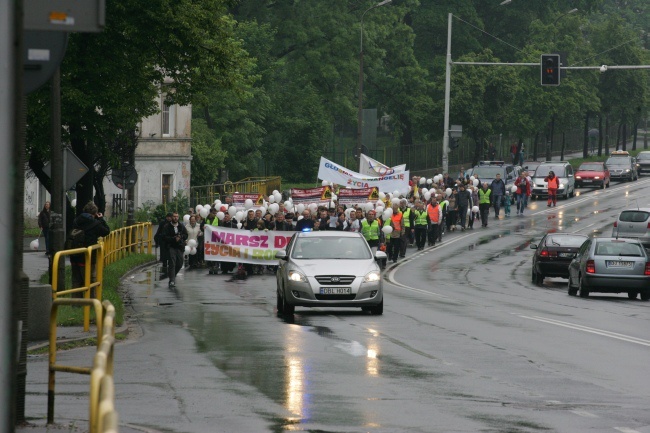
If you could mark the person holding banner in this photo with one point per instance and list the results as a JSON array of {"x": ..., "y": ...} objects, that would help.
[
  {"x": 306, "y": 223},
  {"x": 280, "y": 224}
]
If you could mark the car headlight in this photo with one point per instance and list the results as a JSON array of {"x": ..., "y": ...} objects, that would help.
[
  {"x": 372, "y": 277},
  {"x": 297, "y": 276},
  {"x": 578, "y": 177},
  {"x": 627, "y": 170},
  {"x": 561, "y": 186},
  {"x": 596, "y": 177}
]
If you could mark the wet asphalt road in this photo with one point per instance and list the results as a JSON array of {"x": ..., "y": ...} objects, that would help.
[{"x": 467, "y": 343}]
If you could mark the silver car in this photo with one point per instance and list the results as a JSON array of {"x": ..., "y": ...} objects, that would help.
[
  {"x": 633, "y": 223},
  {"x": 329, "y": 269},
  {"x": 610, "y": 265}
]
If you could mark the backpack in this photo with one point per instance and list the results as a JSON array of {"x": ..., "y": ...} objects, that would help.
[{"x": 76, "y": 239}]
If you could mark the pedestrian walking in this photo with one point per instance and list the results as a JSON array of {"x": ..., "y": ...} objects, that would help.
[
  {"x": 484, "y": 197},
  {"x": 175, "y": 235},
  {"x": 498, "y": 188},
  {"x": 523, "y": 192},
  {"x": 553, "y": 185},
  {"x": 44, "y": 225}
]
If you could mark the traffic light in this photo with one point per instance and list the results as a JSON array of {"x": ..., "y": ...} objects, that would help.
[{"x": 550, "y": 69}]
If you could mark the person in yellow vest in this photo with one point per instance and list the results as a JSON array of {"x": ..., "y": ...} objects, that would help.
[
  {"x": 407, "y": 238},
  {"x": 484, "y": 198},
  {"x": 395, "y": 239},
  {"x": 553, "y": 185},
  {"x": 371, "y": 231},
  {"x": 434, "y": 219},
  {"x": 419, "y": 218}
]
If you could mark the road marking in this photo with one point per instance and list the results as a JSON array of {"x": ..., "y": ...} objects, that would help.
[
  {"x": 596, "y": 331},
  {"x": 584, "y": 413},
  {"x": 626, "y": 430}
]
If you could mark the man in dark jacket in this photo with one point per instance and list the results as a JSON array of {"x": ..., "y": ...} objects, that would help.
[
  {"x": 464, "y": 202},
  {"x": 306, "y": 222},
  {"x": 498, "y": 188},
  {"x": 175, "y": 235},
  {"x": 160, "y": 241},
  {"x": 92, "y": 222},
  {"x": 280, "y": 224}
]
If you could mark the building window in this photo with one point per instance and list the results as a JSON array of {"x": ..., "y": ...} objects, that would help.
[
  {"x": 167, "y": 182},
  {"x": 165, "y": 119}
]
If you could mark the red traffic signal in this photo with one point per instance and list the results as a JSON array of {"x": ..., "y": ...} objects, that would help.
[{"x": 550, "y": 69}]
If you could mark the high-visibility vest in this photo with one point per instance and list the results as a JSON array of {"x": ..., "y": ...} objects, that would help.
[
  {"x": 434, "y": 213},
  {"x": 407, "y": 217},
  {"x": 484, "y": 196},
  {"x": 370, "y": 231},
  {"x": 552, "y": 183},
  {"x": 214, "y": 222},
  {"x": 420, "y": 217},
  {"x": 397, "y": 221}
]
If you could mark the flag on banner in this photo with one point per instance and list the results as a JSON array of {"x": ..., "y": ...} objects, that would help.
[
  {"x": 358, "y": 195},
  {"x": 372, "y": 167},
  {"x": 339, "y": 175},
  {"x": 321, "y": 195}
]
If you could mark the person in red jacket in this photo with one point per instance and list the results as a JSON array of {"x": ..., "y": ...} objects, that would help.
[
  {"x": 523, "y": 192},
  {"x": 553, "y": 185}
]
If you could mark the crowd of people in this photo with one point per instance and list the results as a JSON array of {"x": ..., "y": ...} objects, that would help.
[{"x": 395, "y": 222}]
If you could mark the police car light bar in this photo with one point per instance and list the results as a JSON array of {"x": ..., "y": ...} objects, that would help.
[{"x": 491, "y": 163}]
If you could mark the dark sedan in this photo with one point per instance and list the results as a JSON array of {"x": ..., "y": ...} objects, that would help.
[
  {"x": 643, "y": 162},
  {"x": 554, "y": 254},
  {"x": 610, "y": 265}
]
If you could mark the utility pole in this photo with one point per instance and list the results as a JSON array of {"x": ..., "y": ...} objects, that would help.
[{"x": 445, "y": 136}]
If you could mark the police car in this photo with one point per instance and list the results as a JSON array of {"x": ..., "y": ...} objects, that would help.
[{"x": 622, "y": 166}]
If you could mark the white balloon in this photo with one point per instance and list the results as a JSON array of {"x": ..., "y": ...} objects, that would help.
[
  {"x": 424, "y": 190},
  {"x": 248, "y": 203},
  {"x": 422, "y": 181},
  {"x": 324, "y": 183},
  {"x": 390, "y": 212},
  {"x": 278, "y": 197},
  {"x": 73, "y": 203},
  {"x": 274, "y": 207},
  {"x": 221, "y": 215},
  {"x": 370, "y": 206},
  {"x": 34, "y": 244},
  {"x": 204, "y": 213},
  {"x": 300, "y": 208},
  {"x": 207, "y": 206},
  {"x": 427, "y": 196},
  {"x": 513, "y": 189},
  {"x": 217, "y": 204},
  {"x": 191, "y": 243},
  {"x": 332, "y": 204},
  {"x": 313, "y": 206},
  {"x": 334, "y": 197},
  {"x": 239, "y": 216},
  {"x": 396, "y": 193},
  {"x": 448, "y": 192},
  {"x": 232, "y": 210},
  {"x": 192, "y": 251},
  {"x": 186, "y": 218},
  {"x": 475, "y": 182},
  {"x": 239, "y": 225},
  {"x": 198, "y": 208},
  {"x": 300, "y": 217},
  {"x": 472, "y": 178},
  {"x": 287, "y": 204},
  {"x": 387, "y": 229},
  {"x": 271, "y": 199},
  {"x": 430, "y": 181},
  {"x": 187, "y": 249},
  {"x": 474, "y": 209},
  {"x": 382, "y": 196},
  {"x": 385, "y": 215}
]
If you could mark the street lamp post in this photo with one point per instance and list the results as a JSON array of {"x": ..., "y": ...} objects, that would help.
[{"x": 360, "y": 106}]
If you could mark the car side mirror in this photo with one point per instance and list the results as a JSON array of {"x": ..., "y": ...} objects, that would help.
[
  {"x": 380, "y": 255},
  {"x": 533, "y": 246},
  {"x": 281, "y": 254}
]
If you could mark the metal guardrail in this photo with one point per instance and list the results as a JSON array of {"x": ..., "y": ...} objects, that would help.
[
  {"x": 207, "y": 194},
  {"x": 102, "y": 414},
  {"x": 119, "y": 243}
]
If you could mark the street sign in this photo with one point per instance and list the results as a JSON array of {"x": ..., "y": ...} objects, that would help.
[
  {"x": 124, "y": 177},
  {"x": 43, "y": 53},
  {"x": 74, "y": 169},
  {"x": 65, "y": 15}
]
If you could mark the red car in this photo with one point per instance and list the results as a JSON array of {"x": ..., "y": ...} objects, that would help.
[{"x": 592, "y": 174}]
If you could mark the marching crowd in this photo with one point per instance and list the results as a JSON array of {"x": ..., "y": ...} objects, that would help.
[{"x": 397, "y": 221}]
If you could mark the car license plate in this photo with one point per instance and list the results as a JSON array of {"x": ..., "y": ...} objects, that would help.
[
  {"x": 618, "y": 264},
  {"x": 567, "y": 254},
  {"x": 335, "y": 290},
  {"x": 586, "y": 181}
]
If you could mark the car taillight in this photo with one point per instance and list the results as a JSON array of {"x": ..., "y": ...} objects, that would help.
[
  {"x": 544, "y": 253},
  {"x": 591, "y": 267},
  {"x": 647, "y": 268},
  {"x": 649, "y": 225},
  {"x": 616, "y": 224}
]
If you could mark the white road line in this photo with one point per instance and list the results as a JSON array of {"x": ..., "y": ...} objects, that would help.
[
  {"x": 626, "y": 430},
  {"x": 584, "y": 413},
  {"x": 596, "y": 331}
]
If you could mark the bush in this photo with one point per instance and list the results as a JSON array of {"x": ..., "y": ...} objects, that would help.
[{"x": 179, "y": 203}]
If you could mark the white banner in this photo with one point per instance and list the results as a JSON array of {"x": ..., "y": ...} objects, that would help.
[
  {"x": 243, "y": 246},
  {"x": 372, "y": 167},
  {"x": 332, "y": 172}
]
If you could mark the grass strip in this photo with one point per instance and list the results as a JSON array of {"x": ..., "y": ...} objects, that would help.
[{"x": 73, "y": 316}]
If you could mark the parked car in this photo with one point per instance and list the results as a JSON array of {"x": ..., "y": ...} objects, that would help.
[
  {"x": 633, "y": 223},
  {"x": 553, "y": 255},
  {"x": 329, "y": 269},
  {"x": 531, "y": 168},
  {"x": 622, "y": 166},
  {"x": 486, "y": 171},
  {"x": 643, "y": 162},
  {"x": 592, "y": 174},
  {"x": 610, "y": 265},
  {"x": 562, "y": 170}
]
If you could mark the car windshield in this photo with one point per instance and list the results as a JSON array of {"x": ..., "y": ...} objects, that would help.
[
  {"x": 634, "y": 216},
  {"x": 543, "y": 170},
  {"x": 619, "y": 248},
  {"x": 488, "y": 172},
  {"x": 330, "y": 248},
  {"x": 565, "y": 241},
  {"x": 591, "y": 167},
  {"x": 643, "y": 156},
  {"x": 618, "y": 161}
]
